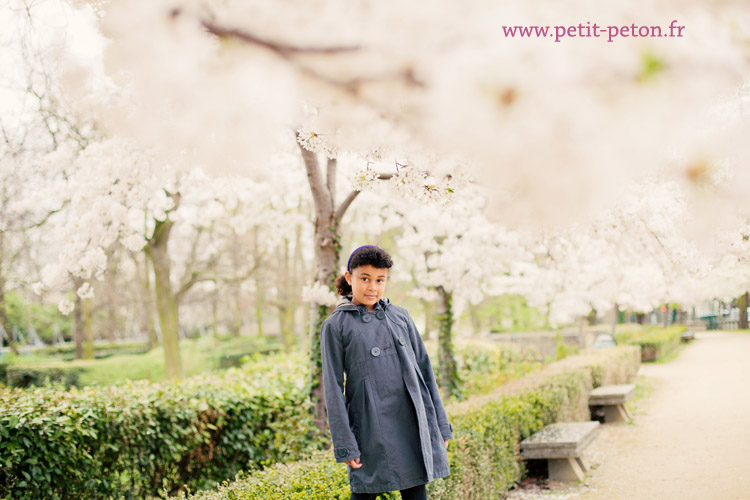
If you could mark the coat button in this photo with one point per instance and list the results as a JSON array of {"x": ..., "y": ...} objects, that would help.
[
  {"x": 401, "y": 340},
  {"x": 366, "y": 318},
  {"x": 380, "y": 315},
  {"x": 342, "y": 452},
  {"x": 375, "y": 351}
]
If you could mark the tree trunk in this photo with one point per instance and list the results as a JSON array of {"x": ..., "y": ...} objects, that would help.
[
  {"x": 476, "y": 322},
  {"x": 592, "y": 317},
  {"x": 236, "y": 311},
  {"x": 615, "y": 317},
  {"x": 287, "y": 296},
  {"x": 147, "y": 317},
  {"x": 88, "y": 329},
  {"x": 166, "y": 304},
  {"x": 326, "y": 256},
  {"x": 215, "y": 313},
  {"x": 640, "y": 318},
  {"x": 84, "y": 338},
  {"x": 4, "y": 319},
  {"x": 78, "y": 329},
  {"x": 284, "y": 302},
  {"x": 448, "y": 369},
  {"x": 742, "y": 303},
  {"x": 327, "y": 250},
  {"x": 260, "y": 292},
  {"x": 259, "y": 302},
  {"x": 429, "y": 317}
]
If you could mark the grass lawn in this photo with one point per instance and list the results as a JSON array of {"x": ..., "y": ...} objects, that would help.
[{"x": 198, "y": 355}]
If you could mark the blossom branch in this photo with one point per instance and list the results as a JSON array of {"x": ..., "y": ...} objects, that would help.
[{"x": 282, "y": 49}]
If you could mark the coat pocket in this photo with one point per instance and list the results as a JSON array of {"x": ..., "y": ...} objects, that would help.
[{"x": 354, "y": 425}]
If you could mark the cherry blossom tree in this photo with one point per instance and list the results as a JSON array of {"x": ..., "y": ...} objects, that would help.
[
  {"x": 412, "y": 82},
  {"x": 456, "y": 256},
  {"x": 38, "y": 129}
]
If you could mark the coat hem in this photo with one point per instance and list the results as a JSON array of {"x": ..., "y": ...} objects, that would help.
[{"x": 401, "y": 485}]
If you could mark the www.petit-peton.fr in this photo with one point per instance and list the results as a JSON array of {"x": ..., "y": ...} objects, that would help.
[{"x": 594, "y": 30}]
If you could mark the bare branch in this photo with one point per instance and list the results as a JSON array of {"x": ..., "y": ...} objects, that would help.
[
  {"x": 341, "y": 210},
  {"x": 331, "y": 178},
  {"x": 282, "y": 49},
  {"x": 41, "y": 222},
  {"x": 321, "y": 196},
  {"x": 287, "y": 52}
]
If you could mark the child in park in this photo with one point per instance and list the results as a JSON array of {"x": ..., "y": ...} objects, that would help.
[{"x": 386, "y": 417}]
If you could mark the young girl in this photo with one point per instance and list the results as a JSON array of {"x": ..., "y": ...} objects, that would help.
[{"x": 388, "y": 423}]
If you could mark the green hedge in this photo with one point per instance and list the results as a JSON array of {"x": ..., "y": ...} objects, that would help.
[
  {"x": 485, "y": 365},
  {"x": 484, "y": 454},
  {"x": 136, "y": 439},
  {"x": 32, "y": 376},
  {"x": 655, "y": 342}
]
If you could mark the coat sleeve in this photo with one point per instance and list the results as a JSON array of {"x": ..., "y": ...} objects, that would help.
[
  {"x": 344, "y": 444},
  {"x": 423, "y": 362}
]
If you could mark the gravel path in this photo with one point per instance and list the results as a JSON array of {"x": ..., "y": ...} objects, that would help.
[{"x": 690, "y": 438}]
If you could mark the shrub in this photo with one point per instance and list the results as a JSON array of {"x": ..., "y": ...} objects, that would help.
[
  {"x": 655, "y": 342},
  {"x": 135, "y": 439},
  {"x": 31, "y": 376},
  {"x": 484, "y": 454},
  {"x": 485, "y": 365}
]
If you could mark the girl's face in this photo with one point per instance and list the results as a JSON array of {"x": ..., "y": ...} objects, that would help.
[{"x": 368, "y": 285}]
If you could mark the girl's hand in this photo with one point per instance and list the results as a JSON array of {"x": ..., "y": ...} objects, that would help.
[
  {"x": 446, "y": 443},
  {"x": 354, "y": 464}
]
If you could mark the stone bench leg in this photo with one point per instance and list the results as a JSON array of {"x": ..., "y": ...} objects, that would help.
[
  {"x": 564, "y": 469},
  {"x": 616, "y": 413}
]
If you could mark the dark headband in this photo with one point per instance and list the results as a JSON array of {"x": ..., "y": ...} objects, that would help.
[{"x": 349, "y": 262}]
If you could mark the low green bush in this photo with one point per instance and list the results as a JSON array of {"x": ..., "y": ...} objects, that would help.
[
  {"x": 136, "y": 439},
  {"x": 484, "y": 454},
  {"x": 32, "y": 376},
  {"x": 655, "y": 342},
  {"x": 485, "y": 365}
]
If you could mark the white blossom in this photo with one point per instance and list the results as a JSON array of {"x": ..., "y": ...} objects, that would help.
[
  {"x": 85, "y": 291},
  {"x": 65, "y": 306},
  {"x": 38, "y": 288},
  {"x": 318, "y": 293}
]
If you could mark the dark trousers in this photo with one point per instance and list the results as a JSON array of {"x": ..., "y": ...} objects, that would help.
[{"x": 415, "y": 493}]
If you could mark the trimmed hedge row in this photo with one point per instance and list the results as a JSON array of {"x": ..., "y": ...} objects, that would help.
[
  {"x": 484, "y": 455},
  {"x": 655, "y": 342},
  {"x": 485, "y": 365},
  {"x": 137, "y": 439}
]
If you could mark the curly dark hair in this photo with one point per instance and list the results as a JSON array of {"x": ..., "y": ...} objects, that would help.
[{"x": 368, "y": 255}]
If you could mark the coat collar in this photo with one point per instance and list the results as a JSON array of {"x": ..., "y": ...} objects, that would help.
[{"x": 345, "y": 304}]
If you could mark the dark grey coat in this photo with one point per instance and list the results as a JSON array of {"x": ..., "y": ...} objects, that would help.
[{"x": 390, "y": 414}]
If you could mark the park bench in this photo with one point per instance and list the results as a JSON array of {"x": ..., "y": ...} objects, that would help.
[
  {"x": 613, "y": 398},
  {"x": 687, "y": 336},
  {"x": 562, "y": 445}
]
